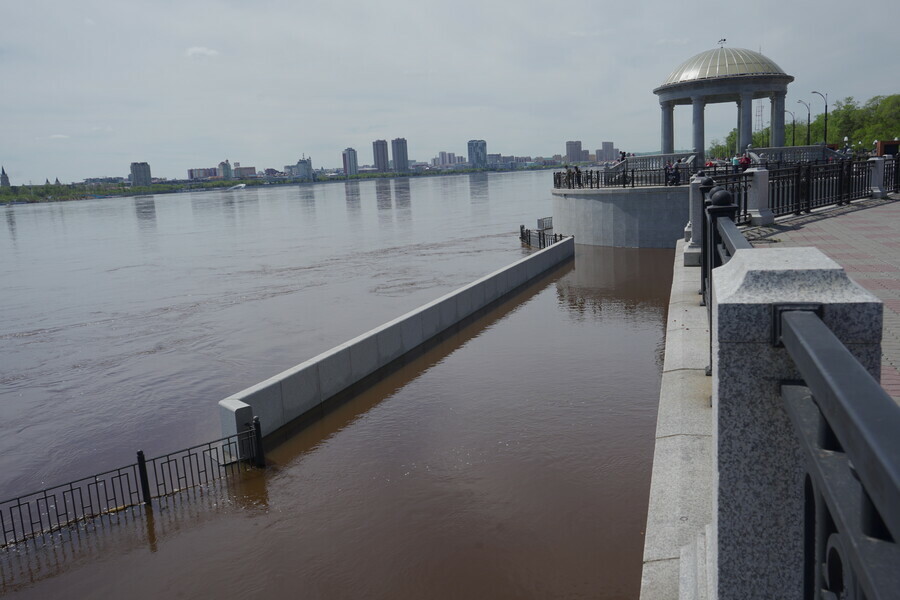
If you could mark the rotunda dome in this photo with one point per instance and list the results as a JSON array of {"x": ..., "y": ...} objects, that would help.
[{"x": 721, "y": 63}]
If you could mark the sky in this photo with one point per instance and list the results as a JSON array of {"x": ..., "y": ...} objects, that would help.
[{"x": 88, "y": 87}]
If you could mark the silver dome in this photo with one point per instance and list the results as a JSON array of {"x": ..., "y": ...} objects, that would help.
[{"x": 721, "y": 63}]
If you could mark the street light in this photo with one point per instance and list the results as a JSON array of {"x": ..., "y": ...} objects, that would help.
[
  {"x": 808, "y": 113},
  {"x": 793, "y": 128},
  {"x": 825, "y": 98}
]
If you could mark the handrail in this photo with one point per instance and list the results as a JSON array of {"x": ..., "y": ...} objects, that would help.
[{"x": 865, "y": 419}]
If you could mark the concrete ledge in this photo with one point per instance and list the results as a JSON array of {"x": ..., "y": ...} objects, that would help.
[
  {"x": 681, "y": 483},
  {"x": 289, "y": 395}
]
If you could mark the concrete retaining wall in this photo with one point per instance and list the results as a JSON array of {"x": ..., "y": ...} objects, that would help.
[
  {"x": 280, "y": 399},
  {"x": 646, "y": 217}
]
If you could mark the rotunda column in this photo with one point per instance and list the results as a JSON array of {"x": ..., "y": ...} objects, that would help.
[
  {"x": 746, "y": 130},
  {"x": 699, "y": 103},
  {"x": 668, "y": 127},
  {"x": 777, "y": 119}
]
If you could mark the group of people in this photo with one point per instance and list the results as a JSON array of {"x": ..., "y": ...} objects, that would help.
[{"x": 673, "y": 172}]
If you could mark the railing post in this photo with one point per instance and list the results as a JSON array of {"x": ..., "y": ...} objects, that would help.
[
  {"x": 259, "y": 455},
  {"x": 758, "y": 467},
  {"x": 876, "y": 185},
  {"x": 145, "y": 480},
  {"x": 758, "y": 204}
]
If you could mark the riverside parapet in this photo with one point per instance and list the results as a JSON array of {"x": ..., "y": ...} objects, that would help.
[{"x": 281, "y": 399}]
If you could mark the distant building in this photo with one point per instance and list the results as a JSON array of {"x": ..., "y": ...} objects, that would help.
[
  {"x": 573, "y": 151},
  {"x": 140, "y": 174},
  {"x": 302, "y": 170},
  {"x": 609, "y": 152},
  {"x": 380, "y": 151},
  {"x": 203, "y": 173},
  {"x": 478, "y": 156},
  {"x": 351, "y": 166},
  {"x": 225, "y": 171},
  {"x": 493, "y": 159},
  {"x": 4, "y": 179},
  {"x": 585, "y": 155},
  {"x": 400, "y": 156},
  {"x": 244, "y": 172}
]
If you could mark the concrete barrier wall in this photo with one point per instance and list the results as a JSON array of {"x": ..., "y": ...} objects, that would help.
[
  {"x": 280, "y": 399},
  {"x": 645, "y": 217}
]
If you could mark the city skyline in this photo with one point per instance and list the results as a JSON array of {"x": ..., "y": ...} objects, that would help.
[{"x": 92, "y": 96}]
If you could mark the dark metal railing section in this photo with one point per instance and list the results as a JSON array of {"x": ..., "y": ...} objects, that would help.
[
  {"x": 846, "y": 423},
  {"x": 621, "y": 178},
  {"x": 891, "y": 182},
  {"x": 131, "y": 486},
  {"x": 539, "y": 238},
  {"x": 739, "y": 186},
  {"x": 847, "y": 426}
]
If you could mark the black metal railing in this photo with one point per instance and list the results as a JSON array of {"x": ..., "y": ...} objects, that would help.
[
  {"x": 538, "y": 238},
  {"x": 621, "y": 178},
  {"x": 128, "y": 487},
  {"x": 847, "y": 426},
  {"x": 739, "y": 186},
  {"x": 891, "y": 181}
]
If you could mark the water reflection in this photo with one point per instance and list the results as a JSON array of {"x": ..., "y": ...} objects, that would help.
[
  {"x": 145, "y": 211},
  {"x": 479, "y": 188},
  {"x": 383, "y": 196},
  {"x": 307, "y": 196},
  {"x": 402, "y": 195},
  {"x": 351, "y": 196},
  {"x": 11, "y": 222}
]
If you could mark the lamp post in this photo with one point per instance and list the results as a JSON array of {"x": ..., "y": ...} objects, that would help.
[
  {"x": 825, "y": 98},
  {"x": 793, "y": 128},
  {"x": 808, "y": 112}
]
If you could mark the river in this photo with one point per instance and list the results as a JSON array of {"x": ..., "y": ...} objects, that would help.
[{"x": 512, "y": 460}]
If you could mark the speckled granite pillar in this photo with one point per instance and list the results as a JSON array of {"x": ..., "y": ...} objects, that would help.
[
  {"x": 877, "y": 183},
  {"x": 758, "y": 475},
  {"x": 758, "y": 198}
]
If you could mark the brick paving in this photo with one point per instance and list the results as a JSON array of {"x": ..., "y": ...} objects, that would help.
[{"x": 864, "y": 238}]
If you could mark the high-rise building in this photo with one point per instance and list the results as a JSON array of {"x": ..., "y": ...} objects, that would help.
[
  {"x": 478, "y": 154},
  {"x": 140, "y": 174},
  {"x": 573, "y": 151},
  {"x": 302, "y": 170},
  {"x": 351, "y": 166},
  {"x": 379, "y": 149},
  {"x": 398, "y": 153},
  {"x": 4, "y": 178},
  {"x": 609, "y": 151},
  {"x": 225, "y": 171},
  {"x": 244, "y": 172}
]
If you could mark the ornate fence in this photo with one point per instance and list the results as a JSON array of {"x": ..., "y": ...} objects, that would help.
[{"x": 128, "y": 487}]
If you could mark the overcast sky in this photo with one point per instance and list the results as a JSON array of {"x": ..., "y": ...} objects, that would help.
[{"x": 90, "y": 86}]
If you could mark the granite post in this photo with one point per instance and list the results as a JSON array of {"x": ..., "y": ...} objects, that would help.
[
  {"x": 877, "y": 184},
  {"x": 758, "y": 469},
  {"x": 692, "y": 229},
  {"x": 758, "y": 198}
]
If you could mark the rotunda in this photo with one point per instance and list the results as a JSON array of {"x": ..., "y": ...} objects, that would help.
[{"x": 723, "y": 75}]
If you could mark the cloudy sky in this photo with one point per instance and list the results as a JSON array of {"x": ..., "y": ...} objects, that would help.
[{"x": 90, "y": 86}]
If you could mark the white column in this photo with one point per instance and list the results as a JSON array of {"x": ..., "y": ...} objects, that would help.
[
  {"x": 699, "y": 103},
  {"x": 668, "y": 127},
  {"x": 746, "y": 130},
  {"x": 776, "y": 119},
  {"x": 694, "y": 227}
]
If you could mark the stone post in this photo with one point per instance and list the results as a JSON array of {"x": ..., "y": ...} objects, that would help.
[
  {"x": 693, "y": 228},
  {"x": 876, "y": 163},
  {"x": 758, "y": 198},
  {"x": 758, "y": 474}
]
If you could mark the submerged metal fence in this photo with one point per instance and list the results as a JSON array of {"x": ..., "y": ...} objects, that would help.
[
  {"x": 54, "y": 508},
  {"x": 538, "y": 238}
]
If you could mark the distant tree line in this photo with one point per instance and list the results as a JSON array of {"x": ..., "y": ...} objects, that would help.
[{"x": 877, "y": 119}]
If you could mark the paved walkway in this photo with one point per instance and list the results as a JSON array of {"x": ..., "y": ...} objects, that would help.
[{"x": 864, "y": 238}]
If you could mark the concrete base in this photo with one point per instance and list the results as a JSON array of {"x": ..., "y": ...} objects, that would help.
[
  {"x": 692, "y": 256},
  {"x": 763, "y": 216},
  {"x": 645, "y": 217}
]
